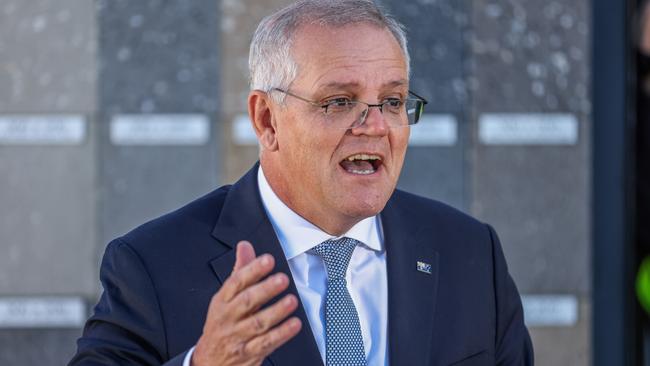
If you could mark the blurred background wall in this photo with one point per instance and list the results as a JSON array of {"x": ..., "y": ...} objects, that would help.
[{"x": 113, "y": 112}]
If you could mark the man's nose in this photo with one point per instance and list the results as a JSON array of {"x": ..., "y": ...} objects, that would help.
[{"x": 373, "y": 122}]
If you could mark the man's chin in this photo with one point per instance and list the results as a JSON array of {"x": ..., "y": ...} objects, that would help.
[{"x": 360, "y": 208}]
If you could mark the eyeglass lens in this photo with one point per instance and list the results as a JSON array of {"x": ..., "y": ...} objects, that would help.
[{"x": 353, "y": 114}]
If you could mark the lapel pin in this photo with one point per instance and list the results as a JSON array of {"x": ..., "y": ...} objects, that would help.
[{"x": 424, "y": 267}]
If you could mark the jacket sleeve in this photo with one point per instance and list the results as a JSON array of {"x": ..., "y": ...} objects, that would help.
[
  {"x": 126, "y": 327},
  {"x": 513, "y": 345}
]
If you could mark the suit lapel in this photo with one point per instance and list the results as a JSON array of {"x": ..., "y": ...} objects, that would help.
[
  {"x": 412, "y": 291},
  {"x": 243, "y": 218}
]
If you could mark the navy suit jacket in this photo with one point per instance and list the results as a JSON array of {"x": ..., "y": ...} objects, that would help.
[{"x": 159, "y": 278}]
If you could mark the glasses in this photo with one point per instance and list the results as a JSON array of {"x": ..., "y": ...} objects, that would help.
[{"x": 345, "y": 113}]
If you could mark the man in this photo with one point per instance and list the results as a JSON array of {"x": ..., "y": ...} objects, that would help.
[{"x": 353, "y": 271}]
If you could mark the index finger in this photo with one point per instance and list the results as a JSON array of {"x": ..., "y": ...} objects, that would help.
[
  {"x": 251, "y": 273},
  {"x": 245, "y": 254}
]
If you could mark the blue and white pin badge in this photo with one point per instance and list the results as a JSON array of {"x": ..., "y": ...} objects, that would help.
[{"x": 424, "y": 267}]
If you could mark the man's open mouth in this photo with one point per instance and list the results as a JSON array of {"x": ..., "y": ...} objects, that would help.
[{"x": 362, "y": 164}]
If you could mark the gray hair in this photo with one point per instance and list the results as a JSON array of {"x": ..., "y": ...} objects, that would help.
[{"x": 270, "y": 63}]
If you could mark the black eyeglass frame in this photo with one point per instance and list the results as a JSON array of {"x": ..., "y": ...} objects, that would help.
[{"x": 417, "y": 113}]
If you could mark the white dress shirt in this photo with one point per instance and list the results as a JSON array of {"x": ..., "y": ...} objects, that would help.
[{"x": 366, "y": 274}]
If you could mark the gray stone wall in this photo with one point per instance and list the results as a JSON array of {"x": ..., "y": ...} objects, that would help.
[
  {"x": 62, "y": 202},
  {"x": 156, "y": 58},
  {"x": 482, "y": 58},
  {"x": 48, "y": 208},
  {"x": 532, "y": 57},
  {"x": 186, "y": 62},
  {"x": 437, "y": 48}
]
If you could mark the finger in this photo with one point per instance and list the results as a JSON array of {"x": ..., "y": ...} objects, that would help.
[
  {"x": 246, "y": 276},
  {"x": 276, "y": 337},
  {"x": 260, "y": 322},
  {"x": 255, "y": 296},
  {"x": 245, "y": 254}
]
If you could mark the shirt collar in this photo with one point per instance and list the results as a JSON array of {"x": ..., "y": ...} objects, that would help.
[{"x": 297, "y": 235}]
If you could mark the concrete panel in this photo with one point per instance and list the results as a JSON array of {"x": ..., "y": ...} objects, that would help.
[
  {"x": 239, "y": 21},
  {"x": 537, "y": 196},
  {"x": 530, "y": 56},
  {"x": 435, "y": 172},
  {"x": 142, "y": 182},
  {"x": 435, "y": 35},
  {"x": 565, "y": 346},
  {"x": 157, "y": 58},
  {"x": 47, "y": 229},
  {"x": 435, "y": 32},
  {"x": 537, "y": 199},
  {"x": 37, "y": 347},
  {"x": 47, "y": 56}
]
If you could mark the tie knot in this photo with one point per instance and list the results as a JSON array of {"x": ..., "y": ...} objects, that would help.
[{"x": 336, "y": 254}]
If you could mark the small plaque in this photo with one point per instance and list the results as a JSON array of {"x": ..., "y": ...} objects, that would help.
[
  {"x": 434, "y": 130},
  {"x": 528, "y": 129},
  {"x": 242, "y": 131},
  {"x": 160, "y": 129},
  {"x": 550, "y": 310},
  {"x": 42, "y": 129},
  {"x": 42, "y": 312}
]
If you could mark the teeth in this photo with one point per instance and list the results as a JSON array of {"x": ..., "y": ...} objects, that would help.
[
  {"x": 362, "y": 157},
  {"x": 362, "y": 172}
]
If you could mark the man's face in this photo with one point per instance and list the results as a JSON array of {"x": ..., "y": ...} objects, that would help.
[{"x": 311, "y": 170}]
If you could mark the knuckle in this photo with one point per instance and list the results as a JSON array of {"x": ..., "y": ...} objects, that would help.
[
  {"x": 258, "y": 324},
  {"x": 247, "y": 299},
  {"x": 266, "y": 344},
  {"x": 236, "y": 281},
  {"x": 238, "y": 350}
]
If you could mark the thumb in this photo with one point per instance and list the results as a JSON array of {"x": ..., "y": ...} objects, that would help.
[{"x": 245, "y": 254}]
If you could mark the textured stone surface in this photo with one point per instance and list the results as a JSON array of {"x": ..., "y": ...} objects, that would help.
[
  {"x": 542, "y": 48},
  {"x": 537, "y": 199},
  {"x": 156, "y": 57},
  {"x": 435, "y": 172},
  {"x": 239, "y": 21},
  {"x": 47, "y": 66},
  {"x": 532, "y": 57},
  {"x": 565, "y": 346},
  {"x": 536, "y": 196},
  {"x": 48, "y": 219},
  {"x": 37, "y": 346},
  {"x": 47, "y": 193},
  {"x": 435, "y": 30},
  {"x": 140, "y": 183},
  {"x": 47, "y": 56},
  {"x": 47, "y": 231}
]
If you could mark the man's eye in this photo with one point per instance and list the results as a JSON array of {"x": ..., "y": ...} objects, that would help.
[
  {"x": 393, "y": 103},
  {"x": 338, "y": 102},
  {"x": 337, "y": 105}
]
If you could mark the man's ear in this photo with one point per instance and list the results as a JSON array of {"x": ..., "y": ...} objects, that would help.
[{"x": 259, "y": 111}]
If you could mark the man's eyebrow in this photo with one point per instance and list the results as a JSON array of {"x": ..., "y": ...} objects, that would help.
[
  {"x": 354, "y": 84},
  {"x": 340, "y": 85},
  {"x": 395, "y": 83}
]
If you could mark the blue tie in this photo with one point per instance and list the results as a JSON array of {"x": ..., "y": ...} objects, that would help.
[{"x": 343, "y": 340}]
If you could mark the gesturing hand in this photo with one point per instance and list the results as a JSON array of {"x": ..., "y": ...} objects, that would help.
[{"x": 236, "y": 331}]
